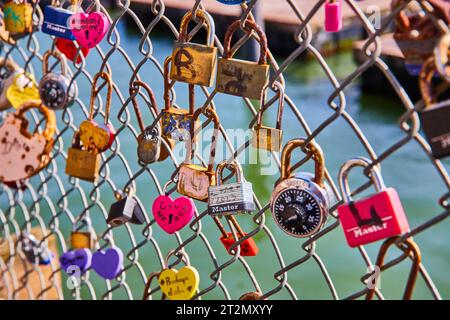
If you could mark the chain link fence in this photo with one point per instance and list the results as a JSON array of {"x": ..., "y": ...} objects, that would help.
[{"x": 55, "y": 204}]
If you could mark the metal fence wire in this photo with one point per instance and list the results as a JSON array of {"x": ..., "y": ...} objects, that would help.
[{"x": 55, "y": 204}]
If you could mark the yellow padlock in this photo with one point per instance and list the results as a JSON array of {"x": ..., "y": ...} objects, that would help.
[
  {"x": 18, "y": 17},
  {"x": 23, "y": 89},
  {"x": 192, "y": 62}
]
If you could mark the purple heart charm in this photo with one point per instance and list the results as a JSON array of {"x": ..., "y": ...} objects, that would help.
[
  {"x": 80, "y": 258},
  {"x": 108, "y": 263}
]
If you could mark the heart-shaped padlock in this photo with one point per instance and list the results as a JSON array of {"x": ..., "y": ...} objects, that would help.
[
  {"x": 8, "y": 70},
  {"x": 89, "y": 29},
  {"x": 179, "y": 285},
  {"x": 68, "y": 48},
  {"x": 173, "y": 215},
  {"x": 54, "y": 88}
]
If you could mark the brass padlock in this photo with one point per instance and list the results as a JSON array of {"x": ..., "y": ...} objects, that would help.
[
  {"x": 194, "y": 180},
  {"x": 18, "y": 17},
  {"x": 82, "y": 239},
  {"x": 8, "y": 69},
  {"x": 268, "y": 138},
  {"x": 150, "y": 146},
  {"x": 192, "y": 62},
  {"x": 238, "y": 77},
  {"x": 176, "y": 123},
  {"x": 82, "y": 163}
]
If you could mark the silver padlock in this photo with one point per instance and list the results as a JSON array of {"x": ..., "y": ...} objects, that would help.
[
  {"x": 35, "y": 251},
  {"x": 149, "y": 144},
  {"x": 54, "y": 87},
  {"x": 125, "y": 210},
  {"x": 230, "y": 198}
]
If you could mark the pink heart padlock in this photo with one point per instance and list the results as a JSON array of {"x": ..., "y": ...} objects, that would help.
[
  {"x": 172, "y": 215},
  {"x": 89, "y": 29}
]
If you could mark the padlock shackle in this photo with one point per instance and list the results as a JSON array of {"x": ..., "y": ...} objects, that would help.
[
  {"x": 262, "y": 109},
  {"x": 49, "y": 115},
  {"x": 441, "y": 56},
  {"x": 190, "y": 149},
  {"x": 313, "y": 149},
  {"x": 236, "y": 168},
  {"x": 9, "y": 64},
  {"x": 56, "y": 54},
  {"x": 426, "y": 82},
  {"x": 249, "y": 27},
  {"x": 412, "y": 248},
  {"x": 205, "y": 18},
  {"x": 95, "y": 91},
  {"x": 233, "y": 221},
  {"x": 134, "y": 90},
  {"x": 167, "y": 102},
  {"x": 376, "y": 176}
]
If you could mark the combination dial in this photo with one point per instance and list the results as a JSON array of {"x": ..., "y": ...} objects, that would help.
[{"x": 297, "y": 212}]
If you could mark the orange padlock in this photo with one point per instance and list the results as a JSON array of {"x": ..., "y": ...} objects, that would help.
[{"x": 248, "y": 247}]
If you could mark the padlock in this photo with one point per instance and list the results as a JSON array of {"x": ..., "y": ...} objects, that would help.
[
  {"x": 125, "y": 210},
  {"x": 373, "y": 218},
  {"x": 176, "y": 123},
  {"x": 18, "y": 17},
  {"x": 56, "y": 21},
  {"x": 435, "y": 118},
  {"x": 192, "y": 62},
  {"x": 82, "y": 162},
  {"x": 251, "y": 296},
  {"x": 82, "y": 239},
  {"x": 230, "y": 198},
  {"x": 25, "y": 154},
  {"x": 5, "y": 36},
  {"x": 93, "y": 135},
  {"x": 333, "y": 16},
  {"x": 416, "y": 34},
  {"x": 238, "y": 77},
  {"x": 55, "y": 89},
  {"x": 268, "y": 138},
  {"x": 70, "y": 50},
  {"x": 23, "y": 89},
  {"x": 410, "y": 249},
  {"x": 8, "y": 69},
  {"x": 248, "y": 247},
  {"x": 300, "y": 202},
  {"x": 194, "y": 180},
  {"x": 150, "y": 148},
  {"x": 35, "y": 251}
]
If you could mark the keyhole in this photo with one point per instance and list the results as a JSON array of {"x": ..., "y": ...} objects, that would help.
[
  {"x": 170, "y": 218},
  {"x": 87, "y": 34}
]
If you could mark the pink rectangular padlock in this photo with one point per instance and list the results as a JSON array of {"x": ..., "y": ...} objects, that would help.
[
  {"x": 374, "y": 218},
  {"x": 333, "y": 16}
]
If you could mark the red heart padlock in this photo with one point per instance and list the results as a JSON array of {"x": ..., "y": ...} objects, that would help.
[
  {"x": 248, "y": 247},
  {"x": 68, "y": 48},
  {"x": 376, "y": 217}
]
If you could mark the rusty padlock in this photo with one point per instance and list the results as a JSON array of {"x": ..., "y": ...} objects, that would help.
[
  {"x": 194, "y": 180},
  {"x": 25, "y": 154},
  {"x": 82, "y": 162},
  {"x": 150, "y": 146},
  {"x": 413, "y": 251},
  {"x": 435, "y": 118},
  {"x": 192, "y": 62},
  {"x": 176, "y": 123},
  {"x": 239, "y": 77},
  {"x": 8, "y": 69},
  {"x": 268, "y": 138},
  {"x": 248, "y": 247},
  {"x": 230, "y": 198},
  {"x": 18, "y": 17}
]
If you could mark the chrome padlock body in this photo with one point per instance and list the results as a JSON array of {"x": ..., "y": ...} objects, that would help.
[
  {"x": 230, "y": 198},
  {"x": 239, "y": 77},
  {"x": 300, "y": 198},
  {"x": 125, "y": 210},
  {"x": 56, "y": 22},
  {"x": 149, "y": 145},
  {"x": 192, "y": 62}
]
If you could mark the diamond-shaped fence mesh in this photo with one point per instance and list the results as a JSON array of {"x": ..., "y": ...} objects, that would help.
[{"x": 52, "y": 204}]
